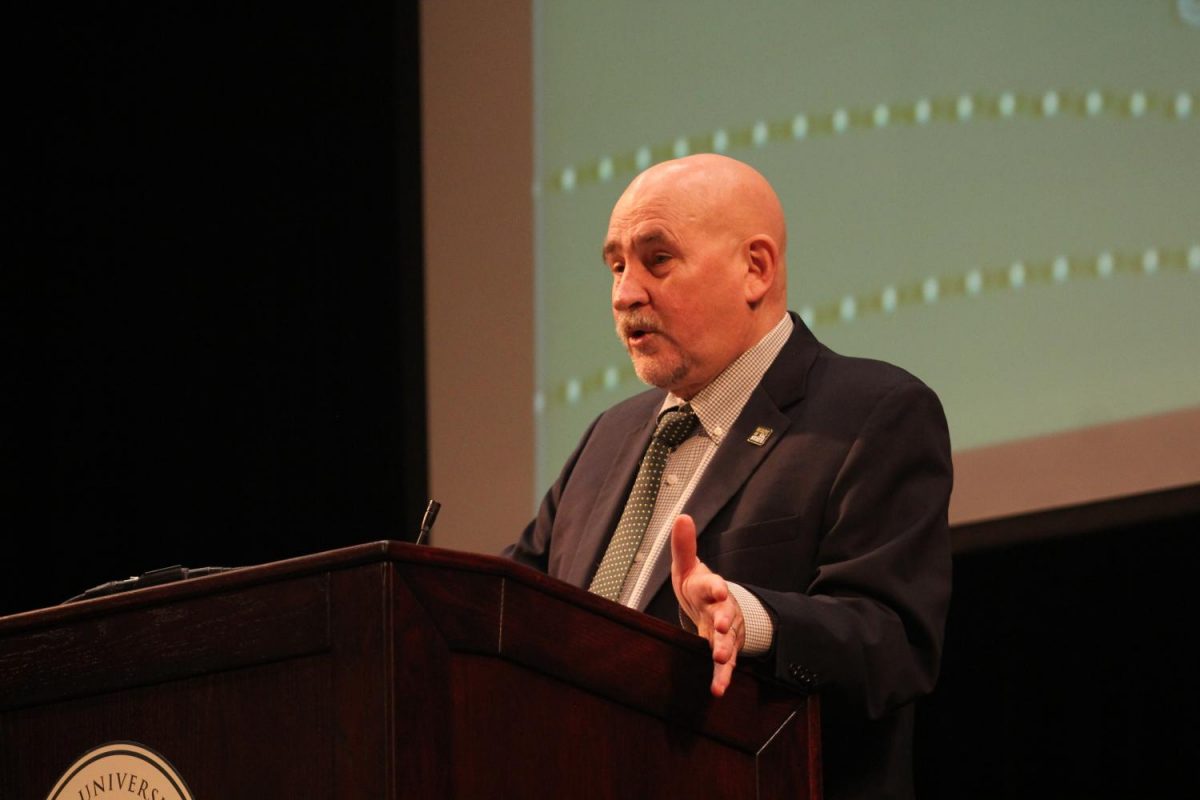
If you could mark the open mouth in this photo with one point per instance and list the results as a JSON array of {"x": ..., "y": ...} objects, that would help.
[
  {"x": 636, "y": 331},
  {"x": 639, "y": 336}
]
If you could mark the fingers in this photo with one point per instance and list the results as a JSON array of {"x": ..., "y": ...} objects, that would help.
[
  {"x": 728, "y": 643},
  {"x": 725, "y": 657},
  {"x": 724, "y": 649},
  {"x": 723, "y": 614},
  {"x": 722, "y": 675}
]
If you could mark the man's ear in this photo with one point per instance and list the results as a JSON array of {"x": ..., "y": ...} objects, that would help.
[{"x": 762, "y": 267}]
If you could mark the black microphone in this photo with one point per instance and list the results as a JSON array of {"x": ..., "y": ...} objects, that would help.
[
  {"x": 152, "y": 578},
  {"x": 431, "y": 512}
]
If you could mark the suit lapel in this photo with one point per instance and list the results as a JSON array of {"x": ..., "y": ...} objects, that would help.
[{"x": 737, "y": 458}]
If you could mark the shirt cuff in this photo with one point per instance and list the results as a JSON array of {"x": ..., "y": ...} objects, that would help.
[{"x": 760, "y": 626}]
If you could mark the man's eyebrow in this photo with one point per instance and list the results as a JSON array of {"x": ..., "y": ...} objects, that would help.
[
  {"x": 610, "y": 247},
  {"x": 650, "y": 237}
]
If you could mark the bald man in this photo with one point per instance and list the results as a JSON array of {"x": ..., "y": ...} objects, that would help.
[{"x": 787, "y": 502}]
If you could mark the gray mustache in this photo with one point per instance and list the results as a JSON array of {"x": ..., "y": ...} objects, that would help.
[{"x": 628, "y": 324}]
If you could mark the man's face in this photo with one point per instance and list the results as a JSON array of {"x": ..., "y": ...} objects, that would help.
[{"x": 678, "y": 293}]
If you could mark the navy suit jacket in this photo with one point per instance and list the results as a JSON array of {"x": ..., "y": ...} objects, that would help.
[{"x": 838, "y": 523}]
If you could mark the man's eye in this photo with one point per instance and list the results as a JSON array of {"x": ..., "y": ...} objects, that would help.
[
  {"x": 617, "y": 268},
  {"x": 661, "y": 258}
]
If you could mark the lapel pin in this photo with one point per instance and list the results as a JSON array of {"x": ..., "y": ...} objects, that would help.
[{"x": 760, "y": 436}]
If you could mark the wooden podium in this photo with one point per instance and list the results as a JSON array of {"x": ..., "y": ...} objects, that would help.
[{"x": 391, "y": 671}]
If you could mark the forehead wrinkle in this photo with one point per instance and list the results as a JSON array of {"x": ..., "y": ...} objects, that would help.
[{"x": 640, "y": 216}]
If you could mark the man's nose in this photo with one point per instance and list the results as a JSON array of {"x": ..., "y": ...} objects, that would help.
[{"x": 629, "y": 290}]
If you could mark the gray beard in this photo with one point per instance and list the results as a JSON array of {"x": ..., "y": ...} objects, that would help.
[{"x": 648, "y": 374}]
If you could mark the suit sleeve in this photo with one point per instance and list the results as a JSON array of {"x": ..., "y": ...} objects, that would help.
[
  {"x": 533, "y": 547},
  {"x": 868, "y": 629}
]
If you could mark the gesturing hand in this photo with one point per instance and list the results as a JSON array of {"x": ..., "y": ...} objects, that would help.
[{"x": 705, "y": 598}]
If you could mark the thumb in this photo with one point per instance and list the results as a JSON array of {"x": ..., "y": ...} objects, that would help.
[{"x": 683, "y": 548}]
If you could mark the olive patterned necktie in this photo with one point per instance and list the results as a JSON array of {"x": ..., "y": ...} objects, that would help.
[{"x": 673, "y": 427}]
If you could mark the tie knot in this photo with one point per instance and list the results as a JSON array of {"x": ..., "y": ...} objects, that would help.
[{"x": 675, "y": 425}]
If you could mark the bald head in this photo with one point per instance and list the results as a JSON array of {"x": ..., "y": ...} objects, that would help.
[
  {"x": 723, "y": 195},
  {"x": 697, "y": 251}
]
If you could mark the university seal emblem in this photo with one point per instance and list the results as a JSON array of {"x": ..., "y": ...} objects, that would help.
[{"x": 126, "y": 768}]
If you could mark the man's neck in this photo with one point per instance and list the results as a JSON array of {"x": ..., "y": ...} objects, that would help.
[{"x": 779, "y": 329}]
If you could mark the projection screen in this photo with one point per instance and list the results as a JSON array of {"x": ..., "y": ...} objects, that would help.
[{"x": 1000, "y": 198}]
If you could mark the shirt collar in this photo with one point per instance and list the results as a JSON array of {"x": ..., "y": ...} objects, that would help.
[{"x": 718, "y": 404}]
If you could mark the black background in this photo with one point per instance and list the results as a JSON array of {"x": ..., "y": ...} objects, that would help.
[
  {"x": 214, "y": 328},
  {"x": 1069, "y": 668}
]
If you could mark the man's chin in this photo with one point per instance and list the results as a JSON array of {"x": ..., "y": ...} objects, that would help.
[{"x": 657, "y": 373}]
